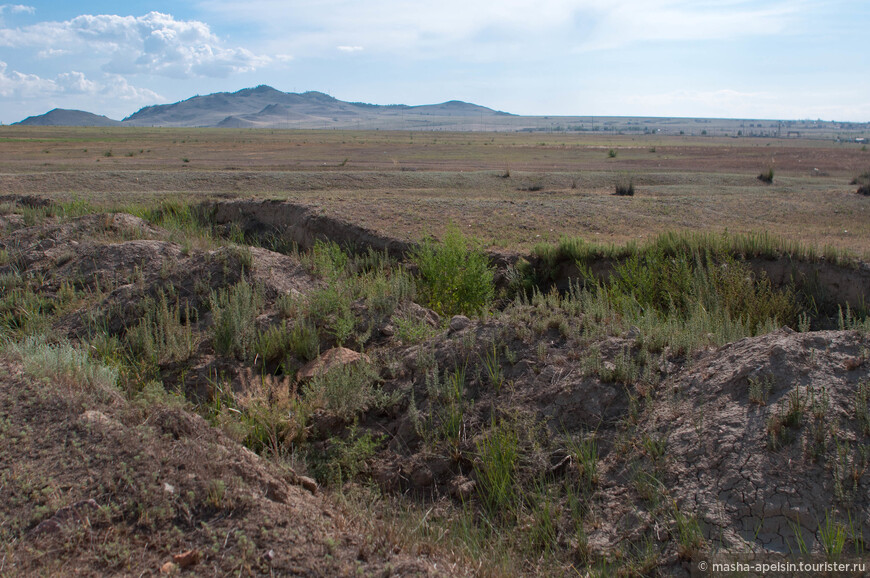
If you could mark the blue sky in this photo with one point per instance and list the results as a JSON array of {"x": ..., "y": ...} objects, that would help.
[{"x": 791, "y": 59}]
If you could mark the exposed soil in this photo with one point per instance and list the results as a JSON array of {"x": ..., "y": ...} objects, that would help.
[{"x": 95, "y": 486}]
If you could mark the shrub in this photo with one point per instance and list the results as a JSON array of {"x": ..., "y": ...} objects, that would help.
[
  {"x": 624, "y": 189},
  {"x": 496, "y": 469},
  {"x": 300, "y": 338},
  {"x": 164, "y": 333},
  {"x": 330, "y": 308},
  {"x": 347, "y": 458},
  {"x": 344, "y": 391},
  {"x": 766, "y": 177},
  {"x": 455, "y": 278},
  {"x": 66, "y": 365},
  {"x": 234, "y": 311}
]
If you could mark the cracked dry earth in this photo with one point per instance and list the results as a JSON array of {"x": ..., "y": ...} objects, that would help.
[{"x": 756, "y": 482}]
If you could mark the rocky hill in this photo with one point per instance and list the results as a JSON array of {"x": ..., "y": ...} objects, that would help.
[{"x": 65, "y": 117}]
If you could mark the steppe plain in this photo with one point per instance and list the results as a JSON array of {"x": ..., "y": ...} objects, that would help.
[{"x": 161, "y": 414}]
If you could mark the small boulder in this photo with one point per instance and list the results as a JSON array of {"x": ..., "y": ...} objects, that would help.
[
  {"x": 335, "y": 357},
  {"x": 186, "y": 559},
  {"x": 459, "y": 322}
]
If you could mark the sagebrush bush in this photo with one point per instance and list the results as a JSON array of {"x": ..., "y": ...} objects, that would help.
[
  {"x": 299, "y": 338},
  {"x": 455, "y": 279},
  {"x": 66, "y": 365},
  {"x": 164, "y": 334},
  {"x": 624, "y": 188},
  {"x": 344, "y": 391},
  {"x": 233, "y": 313}
]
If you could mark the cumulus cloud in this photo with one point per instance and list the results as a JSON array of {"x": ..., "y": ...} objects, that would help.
[
  {"x": 14, "y": 84},
  {"x": 16, "y": 9},
  {"x": 151, "y": 44},
  {"x": 349, "y": 48}
]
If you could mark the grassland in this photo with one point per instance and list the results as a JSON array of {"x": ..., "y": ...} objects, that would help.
[
  {"x": 630, "y": 426},
  {"x": 512, "y": 190}
]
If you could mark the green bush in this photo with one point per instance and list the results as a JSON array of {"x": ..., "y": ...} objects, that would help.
[
  {"x": 344, "y": 391},
  {"x": 455, "y": 278},
  {"x": 233, "y": 313},
  {"x": 674, "y": 285},
  {"x": 498, "y": 451},
  {"x": 66, "y": 365},
  {"x": 299, "y": 338},
  {"x": 164, "y": 333},
  {"x": 624, "y": 188}
]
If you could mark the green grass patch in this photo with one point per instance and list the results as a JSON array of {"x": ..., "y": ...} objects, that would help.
[{"x": 456, "y": 277}]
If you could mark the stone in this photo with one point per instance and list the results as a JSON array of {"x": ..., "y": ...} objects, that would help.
[
  {"x": 335, "y": 357},
  {"x": 459, "y": 322}
]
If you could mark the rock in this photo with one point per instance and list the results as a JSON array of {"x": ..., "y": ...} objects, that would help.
[
  {"x": 169, "y": 568},
  {"x": 459, "y": 322},
  {"x": 308, "y": 484},
  {"x": 335, "y": 357},
  {"x": 388, "y": 330},
  {"x": 461, "y": 488},
  {"x": 77, "y": 512},
  {"x": 186, "y": 559},
  {"x": 95, "y": 417}
]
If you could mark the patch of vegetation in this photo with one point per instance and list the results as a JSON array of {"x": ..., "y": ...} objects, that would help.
[
  {"x": 164, "y": 333},
  {"x": 766, "y": 177},
  {"x": 347, "y": 458},
  {"x": 455, "y": 278},
  {"x": 233, "y": 312},
  {"x": 498, "y": 450},
  {"x": 65, "y": 365},
  {"x": 624, "y": 188},
  {"x": 743, "y": 246},
  {"x": 345, "y": 391}
]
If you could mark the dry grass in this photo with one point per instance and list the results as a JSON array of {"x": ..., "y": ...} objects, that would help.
[{"x": 560, "y": 184}]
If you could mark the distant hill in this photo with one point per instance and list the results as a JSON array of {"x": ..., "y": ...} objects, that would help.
[
  {"x": 266, "y": 107},
  {"x": 65, "y": 117}
]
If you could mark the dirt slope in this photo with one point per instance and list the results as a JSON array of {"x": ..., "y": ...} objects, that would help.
[{"x": 112, "y": 488}]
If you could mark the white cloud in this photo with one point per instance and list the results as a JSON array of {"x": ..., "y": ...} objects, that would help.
[
  {"x": 490, "y": 30},
  {"x": 16, "y": 85},
  {"x": 349, "y": 48},
  {"x": 152, "y": 44},
  {"x": 74, "y": 83},
  {"x": 635, "y": 21},
  {"x": 50, "y": 52},
  {"x": 16, "y": 9}
]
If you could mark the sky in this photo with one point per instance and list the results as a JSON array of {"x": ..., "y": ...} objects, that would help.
[{"x": 770, "y": 59}]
